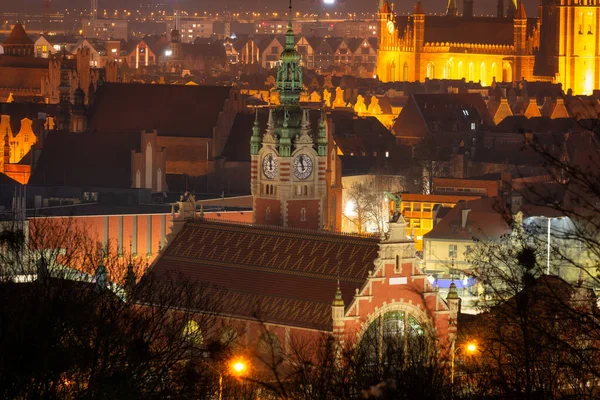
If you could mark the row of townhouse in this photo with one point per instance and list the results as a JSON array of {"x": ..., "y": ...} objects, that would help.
[{"x": 315, "y": 52}]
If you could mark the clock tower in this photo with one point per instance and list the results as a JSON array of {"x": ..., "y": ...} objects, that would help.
[{"x": 288, "y": 162}]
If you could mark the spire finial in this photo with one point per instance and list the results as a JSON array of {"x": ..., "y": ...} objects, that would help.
[{"x": 290, "y": 15}]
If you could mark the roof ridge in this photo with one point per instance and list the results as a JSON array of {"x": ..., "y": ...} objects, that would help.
[{"x": 291, "y": 229}]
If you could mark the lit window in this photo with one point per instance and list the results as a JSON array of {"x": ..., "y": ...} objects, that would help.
[
  {"x": 473, "y": 126},
  {"x": 387, "y": 154}
]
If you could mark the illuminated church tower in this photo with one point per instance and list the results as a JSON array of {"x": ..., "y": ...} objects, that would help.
[
  {"x": 570, "y": 47},
  {"x": 288, "y": 165}
]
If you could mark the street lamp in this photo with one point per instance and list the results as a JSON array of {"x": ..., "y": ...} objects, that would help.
[
  {"x": 470, "y": 348},
  {"x": 238, "y": 367}
]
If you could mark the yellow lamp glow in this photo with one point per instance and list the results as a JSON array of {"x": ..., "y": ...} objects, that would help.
[
  {"x": 239, "y": 367},
  {"x": 471, "y": 347}
]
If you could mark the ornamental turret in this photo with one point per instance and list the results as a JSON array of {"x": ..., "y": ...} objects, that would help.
[
  {"x": 255, "y": 139},
  {"x": 289, "y": 74}
]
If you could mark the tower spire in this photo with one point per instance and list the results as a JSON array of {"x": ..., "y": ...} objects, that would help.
[
  {"x": 451, "y": 10},
  {"x": 289, "y": 74}
]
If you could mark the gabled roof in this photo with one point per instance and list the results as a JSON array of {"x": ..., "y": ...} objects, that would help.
[
  {"x": 278, "y": 275},
  {"x": 173, "y": 110},
  {"x": 484, "y": 221},
  {"x": 18, "y": 36},
  {"x": 450, "y": 111}
]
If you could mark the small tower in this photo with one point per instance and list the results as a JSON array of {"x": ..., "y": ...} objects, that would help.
[
  {"x": 101, "y": 275},
  {"x": 453, "y": 301},
  {"x": 78, "y": 119},
  {"x": 175, "y": 44},
  {"x": 338, "y": 312},
  {"x": 130, "y": 279},
  {"x": 64, "y": 89}
]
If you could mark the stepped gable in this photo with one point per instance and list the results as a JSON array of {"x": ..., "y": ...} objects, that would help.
[
  {"x": 285, "y": 276},
  {"x": 173, "y": 110}
]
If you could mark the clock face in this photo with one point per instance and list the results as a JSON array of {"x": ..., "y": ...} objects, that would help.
[
  {"x": 302, "y": 166},
  {"x": 390, "y": 27},
  {"x": 270, "y": 166}
]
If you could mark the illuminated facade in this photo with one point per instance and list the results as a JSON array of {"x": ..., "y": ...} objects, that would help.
[
  {"x": 416, "y": 47},
  {"x": 569, "y": 51}
]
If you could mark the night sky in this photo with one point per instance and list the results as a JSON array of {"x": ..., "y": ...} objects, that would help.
[{"x": 430, "y": 6}]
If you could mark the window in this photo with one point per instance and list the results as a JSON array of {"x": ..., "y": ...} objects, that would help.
[
  {"x": 268, "y": 214},
  {"x": 274, "y": 50},
  {"x": 303, "y": 214},
  {"x": 473, "y": 126},
  {"x": 452, "y": 251},
  {"x": 387, "y": 154},
  {"x": 468, "y": 251},
  {"x": 26, "y": 138}
]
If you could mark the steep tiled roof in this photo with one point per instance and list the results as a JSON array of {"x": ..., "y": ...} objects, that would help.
[
  {"x": 275, "y": 274},
  {"x": 173, "y": 110},
  {"x": 18, "y": 36}
]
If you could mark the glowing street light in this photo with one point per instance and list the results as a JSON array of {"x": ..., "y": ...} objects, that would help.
[{"x": 470, "y": 348}]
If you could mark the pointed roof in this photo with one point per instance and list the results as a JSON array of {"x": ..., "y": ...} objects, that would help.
[
  {"x": 385, "y": 8},
  {"x": 521, "y": 11},
  {"x": 419, "y": 8},
  {"x": 18, "y": 36}
]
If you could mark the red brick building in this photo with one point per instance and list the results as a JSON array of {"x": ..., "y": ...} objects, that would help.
[{"x": 283, "y": 273}]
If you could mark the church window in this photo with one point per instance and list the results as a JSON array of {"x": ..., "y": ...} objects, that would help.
[
  {"x": 269, "y": 348},
  {"x": 471, "y": 72},
  {"x": 26, "y": 138},
  {"x": 268, "y": 214},
  {"x": 431, "y": 70},
  {"x": 405, "y": 72},
  {"x": 138, "y": 179},
  {"x": 303, "y": 214},
  {"x": 299, "y": 190},
  {"x": 483, "y": 75},
  {"x": 305, "y": 192}
]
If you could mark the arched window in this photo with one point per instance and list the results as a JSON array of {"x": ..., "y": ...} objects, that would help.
[
  {"x": 394, "y": 338},
  {"x": 148, "y": 166},
  {"x": 268, "y": 214},
  {"x": 507, "y": 73},
  {"x": 405, "y": 72},
  {"x": 483, "y": 75},
  {"x": 269, "y": 348},
  {"x": 298, "y": 190},
  {"x": 448, "y": 70},
  {"x": 471, "y": 72},
  {"x": 393, "y": 72},
  {"x": 461, "y": 70},
  {"x": 192, "y": 333},
  {"x": 159, "y": 180},
  {"x": 303, "y": 214},
  {"x": 305, "y": 192},
  {"x": 138, "y": 179},
  {"x": 495, "y": 73},
  {"x": 431, "y": 70}
]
